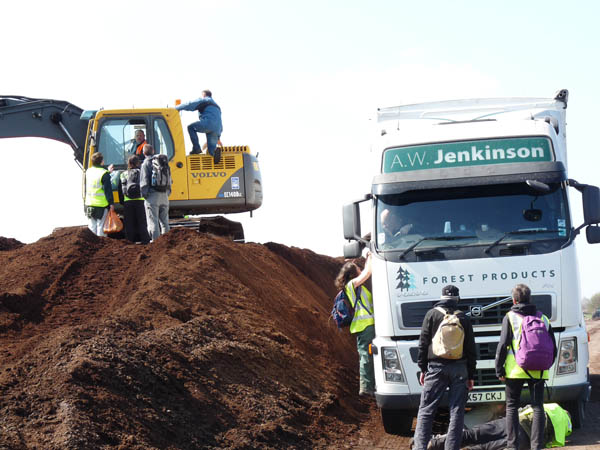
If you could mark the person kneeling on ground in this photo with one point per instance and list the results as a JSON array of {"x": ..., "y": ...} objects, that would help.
[{"x": 492, "y": 435}]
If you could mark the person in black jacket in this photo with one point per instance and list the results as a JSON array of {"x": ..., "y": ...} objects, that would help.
[
  {"x": 136, "y": 229},
  {"x": 438, "y": 373}
]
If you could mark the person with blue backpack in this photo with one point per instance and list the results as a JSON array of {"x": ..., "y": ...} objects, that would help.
[
  {"x": 527, "y": 349},
  {"x": 351, "y": 283}
]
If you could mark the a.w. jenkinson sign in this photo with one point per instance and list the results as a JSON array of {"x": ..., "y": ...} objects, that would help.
[{"x": 467, "y": 153}]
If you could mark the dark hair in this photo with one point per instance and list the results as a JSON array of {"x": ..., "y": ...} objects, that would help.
[
  {"x": 207, "y": 93},
  {"x": 133, "y": 162},
  {"x": 97, "y": 159},
  {"x": 347, "y": 272},
  {"x": 521, "y": 293}
]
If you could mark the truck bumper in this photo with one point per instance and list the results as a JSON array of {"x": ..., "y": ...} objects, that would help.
[{"x": 554, "y": 394}]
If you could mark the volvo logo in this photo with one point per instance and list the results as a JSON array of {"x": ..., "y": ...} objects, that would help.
[{"x": 476, "y": 311}]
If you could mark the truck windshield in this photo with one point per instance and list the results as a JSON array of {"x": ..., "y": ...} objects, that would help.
[{"x": 476, "y": 216}]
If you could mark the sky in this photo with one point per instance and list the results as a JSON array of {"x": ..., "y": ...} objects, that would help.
[{"x": 298, "y": 81}]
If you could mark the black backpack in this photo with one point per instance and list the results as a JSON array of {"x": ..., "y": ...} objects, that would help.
[
  {"x": 131, "y": 187},
  {"x": 161, "y": 173}
]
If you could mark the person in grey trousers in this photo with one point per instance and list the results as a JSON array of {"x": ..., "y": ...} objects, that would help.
[
  {"x": 438, "y": 373},
  {"x": 156, "y": 202}
]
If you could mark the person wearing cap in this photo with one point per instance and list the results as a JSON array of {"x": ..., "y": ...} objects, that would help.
[
  {"x": 210, "y": 123},
  {"x": 439, "y": 373}
]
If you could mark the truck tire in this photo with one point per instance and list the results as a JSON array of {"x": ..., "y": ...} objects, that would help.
[
  {"x": 398, "y": 422},
  {"x": 577, "y": 411}
]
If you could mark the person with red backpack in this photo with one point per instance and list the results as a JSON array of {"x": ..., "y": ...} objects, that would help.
[{"x": 526, "y": 351}]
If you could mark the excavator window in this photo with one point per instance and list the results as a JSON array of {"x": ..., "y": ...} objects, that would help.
[
  {"x": 163, "y": 142},
  {"x": 117, "y": 139}
]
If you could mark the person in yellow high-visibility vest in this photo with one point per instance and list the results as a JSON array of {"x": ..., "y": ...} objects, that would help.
[
  {"x": 352, "y": 280},
  {"x": 136, "y": 228},
  {"x": 514, "y": 376},
  {"x": 98, "y": 194},
  {"x": 492, "y": 435}
]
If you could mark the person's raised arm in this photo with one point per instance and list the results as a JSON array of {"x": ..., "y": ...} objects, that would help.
[
  {"x": 364, "y": 275},
  {"x": 190, "y": 106}
]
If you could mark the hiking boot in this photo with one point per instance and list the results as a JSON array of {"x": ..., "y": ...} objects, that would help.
[
  {"x": 217, "y": 155},
  {"x": 195, "y": 151},
  {"x": 366, "y": 393}
]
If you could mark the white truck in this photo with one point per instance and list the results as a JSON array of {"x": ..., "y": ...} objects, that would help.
[{"x": 473, "y": 193}]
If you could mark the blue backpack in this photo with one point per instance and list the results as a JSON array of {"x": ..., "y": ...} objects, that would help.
[{"x": 343, "y": 312}]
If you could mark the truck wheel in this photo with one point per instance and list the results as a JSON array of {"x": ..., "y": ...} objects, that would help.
[
  {"x": 577, "y": 411},
  {"x": 397, "y": 421}
]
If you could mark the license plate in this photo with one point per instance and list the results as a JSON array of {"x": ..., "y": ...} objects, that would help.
[{"x": 479, "y": 397}]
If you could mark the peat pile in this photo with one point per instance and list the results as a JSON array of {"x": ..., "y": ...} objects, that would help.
[
  {"x": 190, "y": 342},
  {"x": 9, "y": 244}
]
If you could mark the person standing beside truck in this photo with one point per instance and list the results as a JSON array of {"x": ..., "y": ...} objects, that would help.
[
  {"x": 447, "y": 359},
  {"x": 352, "y": 280},
  {"x": 98, "y": 194},
  {"x": 210, "y": 123},
  {"x": 514, "y": 376}
]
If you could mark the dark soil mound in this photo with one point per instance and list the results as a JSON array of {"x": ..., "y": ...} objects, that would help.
[
  {"x": 190, "y": 342},
  {"x": 9, "y": 244}
]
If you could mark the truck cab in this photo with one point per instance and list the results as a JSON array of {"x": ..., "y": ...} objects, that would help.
[{"x": 473, "y": 193}]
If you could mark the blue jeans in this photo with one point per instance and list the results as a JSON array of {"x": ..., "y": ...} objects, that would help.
[
  {"x": 440, "y": 376},
  {"x": 211, "y": 128}
]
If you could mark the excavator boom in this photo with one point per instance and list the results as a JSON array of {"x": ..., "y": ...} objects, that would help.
[{"x": 53, "y": 119}]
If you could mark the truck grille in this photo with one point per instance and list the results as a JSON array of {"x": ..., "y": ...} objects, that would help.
[
  {"x": 484, "y": 351},
  {"x": 412, "y": 313},
  {"x": 486, "y": 377}
]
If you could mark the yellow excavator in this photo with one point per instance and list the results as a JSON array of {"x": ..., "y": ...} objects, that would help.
[{"x": 200, "y": 186}]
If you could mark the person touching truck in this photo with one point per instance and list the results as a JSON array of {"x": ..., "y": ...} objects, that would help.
[{"x": 352, "y": 280}]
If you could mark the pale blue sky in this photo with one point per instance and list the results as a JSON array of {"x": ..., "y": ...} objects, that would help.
[{"x": 297, "y": 81}]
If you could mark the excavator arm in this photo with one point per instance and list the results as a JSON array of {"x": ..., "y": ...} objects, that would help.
[{"x": 35, "y": 117}]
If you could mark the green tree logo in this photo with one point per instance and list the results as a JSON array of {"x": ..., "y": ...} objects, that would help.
[{"x": 406, "y": 280}]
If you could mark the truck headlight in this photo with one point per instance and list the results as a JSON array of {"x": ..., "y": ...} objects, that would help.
[
  {"x": 392, "y": 368},
  {"x": 567, "y": 356}
]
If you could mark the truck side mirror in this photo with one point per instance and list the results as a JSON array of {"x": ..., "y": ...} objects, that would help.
[
  {"x": 592, "y": 234},
  {"x": 351, "y": 216},
  {"x": 591, "y": 205},
  {"x": 353, "y": 249}
]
